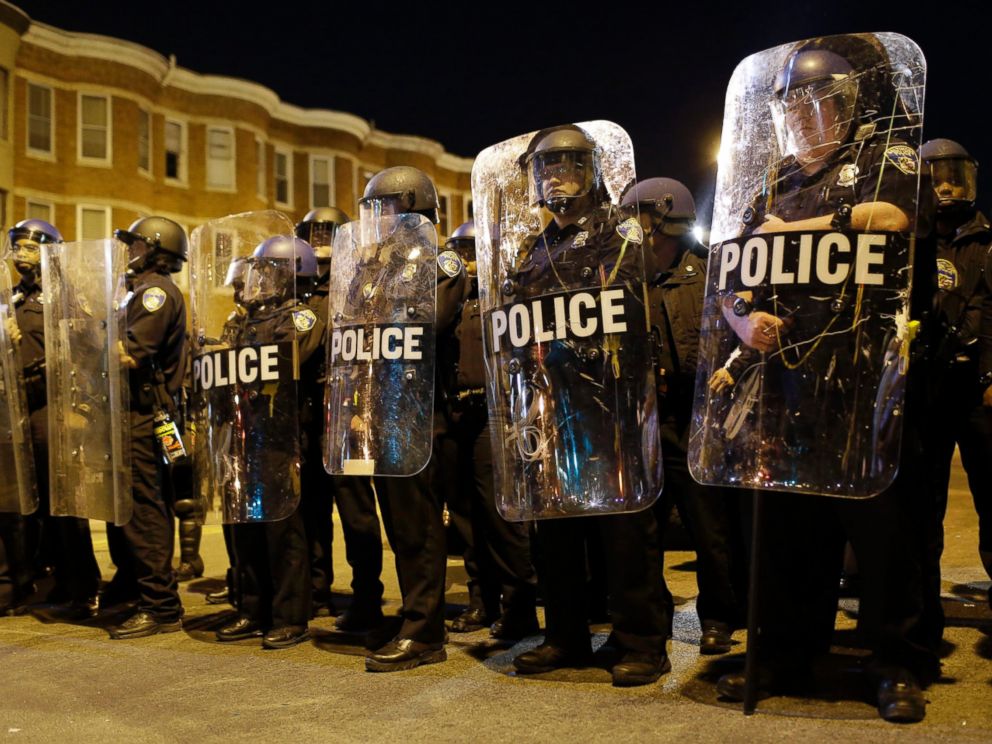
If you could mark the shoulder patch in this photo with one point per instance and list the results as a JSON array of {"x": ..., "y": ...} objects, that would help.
[
  {"x": 904, "y": 158},
  {"x": 153, "y": 299},
  {"x": 304, "y": 320},
  {"x": 449, "y": 263},
  {"x": 630, "y": 229},
  {"x": 947, "y": 274}
]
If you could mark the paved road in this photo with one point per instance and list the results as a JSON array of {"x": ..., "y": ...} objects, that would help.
[{"x": 70, "y": 683}]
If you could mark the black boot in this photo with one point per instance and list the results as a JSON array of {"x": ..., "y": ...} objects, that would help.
[{"x": 190, "y": 562}]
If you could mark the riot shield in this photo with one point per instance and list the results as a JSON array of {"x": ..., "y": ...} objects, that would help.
[
  {"x": 379, "y": 402},
  {"x": 18, "y": 489},
  {"x": 806, "y": 331},
  {"x": 89, "y": 461},
  {"x": 243, "y": 409},
  {"x": 571, "y": 389}
]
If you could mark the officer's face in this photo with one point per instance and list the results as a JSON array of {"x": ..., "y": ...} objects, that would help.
[
  {"x": 659, "y": 249},
  {"x": 26, "y": 256},
  {"x": 563, "y": 174},
  {"x": 818, "y": 118},
  {"x": 954, "y": 180}
]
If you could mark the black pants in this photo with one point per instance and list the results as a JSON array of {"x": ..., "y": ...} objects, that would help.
[
  {"x": 501, "y": 575},
  {"x": 273, "y": 566},
  {"x": 143, "y": 548},
  {"x": 355, "y": 500},
  {"x": 641, "y": 606},
  {"x": 412, "y": 516},
  {"x": 900, "y": 618},
  {"x": 717, "y": 523},
  {"x": 317, "y": 505},
  {"x": 960, "y": 418}
]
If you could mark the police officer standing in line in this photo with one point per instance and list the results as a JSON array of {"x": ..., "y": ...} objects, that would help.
[
  {"x": 156, "y": 351},
  {"x": 676, "y": 271},
  {"x": 273, "y": 557},
  {"x": 354, "y": 495},
  {"x": 411, "y": 510},
  {"x": 502, "y": 580},
  {"x": 963, "y": 369},
  {"x": 563, "y": 168},
  {"x": 900, "y": 618},
  {"x": 77, "y": 575}
]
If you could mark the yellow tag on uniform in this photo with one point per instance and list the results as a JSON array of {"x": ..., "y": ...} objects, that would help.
[
  {"x": 304, "y": 320},
  {"x": 153, "y": 299}
]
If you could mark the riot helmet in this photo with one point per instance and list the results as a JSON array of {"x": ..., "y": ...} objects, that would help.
[
  {"x": 266, "y": 280},
  {"x": 953, "y": 173},
  {"x": 26, "y": 239},
  {"x": 156, "y": 241},
  {"x": 668, "y": 203},
  {"x": 815, "y": 102},
  {"x": 562, "y": 168},
  {"x": 235, "y": 279},
  {"x": 400, "y": 190},
  {"x": 318, "y": 228}
]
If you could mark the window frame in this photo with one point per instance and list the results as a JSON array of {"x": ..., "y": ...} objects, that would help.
[
  {"x": 34, "y": 152},
  {"x": 107, "y": 160}
]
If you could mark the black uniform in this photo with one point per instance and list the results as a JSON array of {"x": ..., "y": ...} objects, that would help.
[
  {"x": 497, "y": 552},
  {"x": 900, "y": 618},
  {"x": 713, "y": 516},
  {"x": 964, "y": 369},
  {"x": 143, "y": 548},
  {"x": 273, "y": 557},
  {"x": 641, "y": 606}
]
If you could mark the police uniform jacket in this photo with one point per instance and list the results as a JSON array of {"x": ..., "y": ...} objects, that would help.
[
  {"x": 31, "y": 322},
  {"x": 156, "y": 336}
]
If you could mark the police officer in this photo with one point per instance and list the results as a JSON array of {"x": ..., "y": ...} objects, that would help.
[
  {"x": 354, "y": 495},
  {"x": 77, "y": 575},
  {"x": 586, "y": 231},
  {"x": 156, "y": 351},
  {"x": 411, "y": 511},
  {"x": 502, "y": 581},
  {"x": 963, "y": 379},
  {"x": 842, "y": 171},
  {"x": 676, "y": 272},
  {"x": 272, "y": 557}
]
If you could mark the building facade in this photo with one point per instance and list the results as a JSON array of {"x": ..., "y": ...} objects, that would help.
[{"x": 97, "y": 131}]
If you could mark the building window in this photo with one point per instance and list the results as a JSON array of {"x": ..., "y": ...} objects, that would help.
[
  {"x": 321, "y": 191},
  {"x": 175, "y": 150},
  {"x": 94, "y": 128},
  {"x": 40, "y": 134},
  {"x": 220, "y": 157},
  {"x": 37, "y": 210},
  {"x": 4, "y": 92},
  {"x": 283, "y": 177},
  {"x": 443, "y": 215},
  {"x": 144, "y": 141},
  {"x": 92, "y": 222},
  {"x": 260, "y": 184}
]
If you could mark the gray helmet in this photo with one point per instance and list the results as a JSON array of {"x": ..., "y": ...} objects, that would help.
[
  {"x": 462, "y": 241},
  {"x": 665, "y": 198},
  {"x": 810, "y": 66},
  {"x": 294, "y": 249},
  {"x": 953, "y": 173},
  {"x": 159, "y": 233},
  {"x": 37, "y": 230},
  {"x": 566, "y": 147},
  {"x": 402, "y": 189}
]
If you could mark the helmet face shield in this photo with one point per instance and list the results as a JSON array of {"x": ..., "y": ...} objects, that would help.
[
  {"x": 558, "y": 177},
  {"x": 955, "y": 180},
  {"x": 265, "y": 281},
  {"x": 321, "y": 239},
  {"x": 812, "y": 121}
]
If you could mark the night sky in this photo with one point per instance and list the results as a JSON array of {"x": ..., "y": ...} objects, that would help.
[{"x": 472, "y": 75}]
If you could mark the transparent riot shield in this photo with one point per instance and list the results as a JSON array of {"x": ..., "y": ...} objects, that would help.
[
  {"x": 243, "y": 409},
  {"x": 571, "y": 389},
  {"x": 379, "y": 402},
  {"x": 88, "y": 426},
  {"x": 18, "y": 489},
  {"x": 806, "y": 332}
]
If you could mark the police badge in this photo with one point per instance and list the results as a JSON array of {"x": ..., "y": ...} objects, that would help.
[{"x": 848, "y": 175}]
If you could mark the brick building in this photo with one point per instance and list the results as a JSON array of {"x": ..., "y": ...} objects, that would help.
[{"x": 96, "y": 131}]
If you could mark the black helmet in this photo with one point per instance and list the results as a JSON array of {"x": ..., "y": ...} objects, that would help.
[
  {"x": 462, "y": 241},
  {"x": 37, "y": 230},
  {"x": 318, "y": 228},
  {"x": 665, "y": 198},
  {"x": 953, "y": 172},
  {"x": 557, "y": 151},
  {"x": 159, "y": 233},
  {"x": 400, "y": 190},
  {"x": 819, "y": 86}
]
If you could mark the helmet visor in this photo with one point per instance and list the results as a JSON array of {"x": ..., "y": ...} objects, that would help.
[
  {"x": 557, "y": 177},
  {"x": 812, "y": 121},
  {"x": 266, "y": 280},
  {"x": 955, "y": 180},
  {"x": 321, "y": 239}
]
